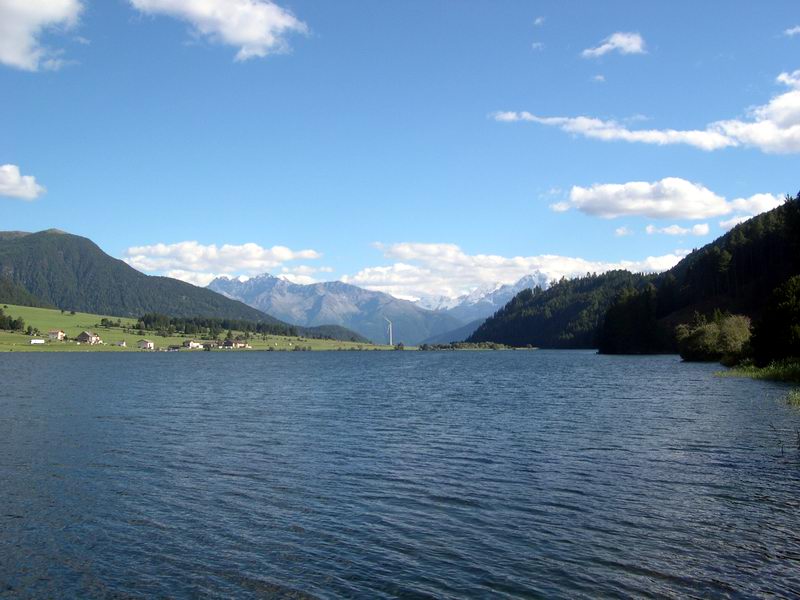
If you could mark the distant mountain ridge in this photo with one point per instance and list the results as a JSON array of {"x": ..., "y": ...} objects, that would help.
[
  {"x": 338, "y": 303},
  {"x": 484, "y": 302}
]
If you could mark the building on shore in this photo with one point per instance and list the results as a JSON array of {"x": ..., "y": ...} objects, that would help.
[
  {"x": 56, "y": 335},
  {"x": 87, "y": 337},
  {"x": 37, "y": 342},
  {"x": 193, "y": 345},
  {"x": 145, "y": 345}
]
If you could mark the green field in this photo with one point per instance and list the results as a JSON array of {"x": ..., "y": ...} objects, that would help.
[{"x": 45, "y": 319}]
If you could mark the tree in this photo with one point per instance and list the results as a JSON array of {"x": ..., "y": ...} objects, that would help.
[{"x": 777, "y": 334}]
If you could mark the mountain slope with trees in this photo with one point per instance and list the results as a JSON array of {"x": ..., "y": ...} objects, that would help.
[
  {"x": 73, "y": 273},
  {"x": 621, "y": 312}
]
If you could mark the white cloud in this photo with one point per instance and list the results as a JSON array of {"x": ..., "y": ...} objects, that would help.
[
  {"x": 699, "y": 229},
  {"x": 15, "y": 185},
  {"x": 424, "y": 270},
  {"x": 22, "y": 22},
  {"x": 599, "y": 78},
  {"x": 668, "y": 198},
  {"x": 613, "y": 130},
  {"x": 622, "y": 231},
  {"x": 622, "y": 42},
  {"x": 539, "y": 21},
  {"x": 197, "y": 263},
  {"x": 256, "y": 27},
  {"x": 792, "y": 31},
  {"x": 733, "y": 222},
  {"x": 756, "y": 204},
  {"x": 537, "y": 46},
  {"x": 772, "y": 128}
]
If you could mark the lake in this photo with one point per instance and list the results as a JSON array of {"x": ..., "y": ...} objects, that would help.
[{"x": 393, "y": 474}]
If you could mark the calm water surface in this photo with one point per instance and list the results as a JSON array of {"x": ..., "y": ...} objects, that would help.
[{"x": 376, "y": 475}]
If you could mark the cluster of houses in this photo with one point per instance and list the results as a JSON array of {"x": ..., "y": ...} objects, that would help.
[
  {"x": 196, "y": 345},
  {"x": 92, "y": 339}
]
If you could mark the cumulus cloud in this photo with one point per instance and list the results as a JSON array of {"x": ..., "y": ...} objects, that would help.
[
  {"x": 668, "y": 198},
  {"x": 14, "y": 184},
  {"x": 539, "y": 21},
  {"x": 699, "y": 229},
  {"x": 772, "y": 128},
  {"x": 423, "y": 270},
  {"x": 622, "y": 42},
  {"x": 198, "y": 263},
  {"x": 599, "y": 78},
  {"x": 256, "y": 27},
  {"x": 22, "y": 23},
  {"x": 792, "y": 31}
]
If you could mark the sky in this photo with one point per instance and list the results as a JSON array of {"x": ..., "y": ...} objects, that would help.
[{"x": 422, "y": 148}]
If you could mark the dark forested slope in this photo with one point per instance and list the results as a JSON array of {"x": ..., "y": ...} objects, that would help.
[
  {"x": 564, "y": 316},
  {"x": 71, "y": 272},
  {"x": 620, "y": 312}
]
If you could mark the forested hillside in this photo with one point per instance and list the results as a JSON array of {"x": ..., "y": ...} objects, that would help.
[
  {"x": 566, "y": 315},
  {"x": 620, "y": 312},
  {"x": 72, "y": 273},
  {"x": 11, "y": 293}
]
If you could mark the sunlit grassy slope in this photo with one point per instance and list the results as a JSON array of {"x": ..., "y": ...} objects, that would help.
[{"x": 45, "y": 319}]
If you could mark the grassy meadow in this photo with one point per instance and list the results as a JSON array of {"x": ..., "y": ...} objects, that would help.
[{"x": 45, "y": 319}]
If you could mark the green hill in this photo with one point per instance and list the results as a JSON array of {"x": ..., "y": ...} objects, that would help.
[
  {"x": 621, "y": 312},
  {"x": 56, "y": 269},
  {"x": 73, "y": 273}
]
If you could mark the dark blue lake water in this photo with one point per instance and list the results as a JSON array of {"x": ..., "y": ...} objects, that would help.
[{"x": 377, "y": 475}]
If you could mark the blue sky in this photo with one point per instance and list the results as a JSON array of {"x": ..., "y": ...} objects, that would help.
[{"x": 420, "y": 148}]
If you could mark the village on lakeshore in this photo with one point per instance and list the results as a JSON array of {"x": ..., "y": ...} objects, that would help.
[{"x": 44, "y": 329}]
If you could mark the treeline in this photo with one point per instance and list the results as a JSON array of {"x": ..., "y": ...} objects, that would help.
[
  {"x": 9, "y": 323},
  {"x": 213, "y": 327},
  {"x": 210, "y": 327},
  {"x": 736, "y": 273},
  {"x": 625, "y": 313},
  {"x": 566, "y": 315},
  {"x": 734, "y": 340}
]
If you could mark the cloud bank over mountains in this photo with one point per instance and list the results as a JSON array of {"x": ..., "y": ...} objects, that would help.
[
  {"x": 199, "y": 264},
  {"x": 423, "y": 270}
]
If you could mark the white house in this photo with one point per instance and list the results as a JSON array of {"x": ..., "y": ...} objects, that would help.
[
  {"x": 122, "y": 344},
  {"x": 56, "y": 335},
  {"x": 193, "y": 345},
  {"x": 145, "y": 345},
  {"x": 36, "y": 342}
]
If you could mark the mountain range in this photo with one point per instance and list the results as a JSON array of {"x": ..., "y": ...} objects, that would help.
[{"x": 364, "y": 311}]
